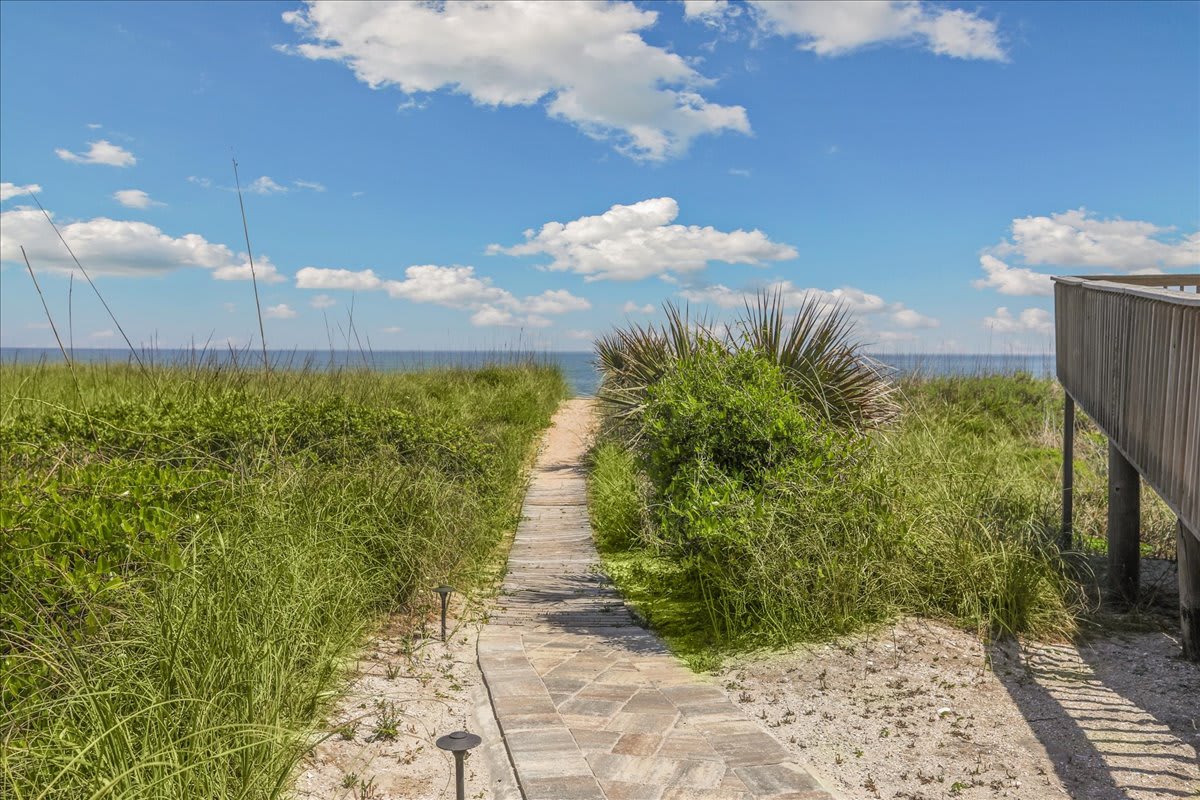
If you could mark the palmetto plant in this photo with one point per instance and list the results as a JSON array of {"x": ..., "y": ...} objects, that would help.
[
  {"x": 821, "y": 358},
  {"x": 816, "y": 349},
  {"x": 633, "y": 359}
]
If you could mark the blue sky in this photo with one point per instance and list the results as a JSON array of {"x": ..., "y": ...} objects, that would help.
[{"x": 469, "y": 176}]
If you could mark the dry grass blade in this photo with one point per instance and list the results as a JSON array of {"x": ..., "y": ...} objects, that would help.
[
  {"x": 133, "y": 350},
  {"x": 253, "y": 276},
  {"x": 50, "y": 319}
]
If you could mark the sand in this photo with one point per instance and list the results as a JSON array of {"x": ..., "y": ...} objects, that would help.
[
  {"x": 924, "y": 710},
  {"x": 428, "y": 689}
]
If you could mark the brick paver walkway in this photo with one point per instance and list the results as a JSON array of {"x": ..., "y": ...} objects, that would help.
[{"x": 590, "y": 704}]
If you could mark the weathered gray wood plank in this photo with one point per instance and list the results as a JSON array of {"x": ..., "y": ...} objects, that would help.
[{"x": 1130, "y": 357}]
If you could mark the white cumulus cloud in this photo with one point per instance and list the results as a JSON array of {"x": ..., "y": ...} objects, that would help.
[
  {"x": 907, "y": 318},
  {"x": 585, "y": 63},
  {"x": 135, "y": 198},
  {"x": 555, "y": 301},
  {"x": 281, "y": 311},
  {"x": 263, "y": 271},
  {"x": 322, "y": 301},
  {"x": 117, "y": 247},
  {"x": 1017, "y": 281},
  {"x": 265, "y": 185},
  {"x": 100, "y": 152},
  {"x": 631, "y": 307},
  {"x": 1031, "y": 320},
  {"x": 1077, "y": 238},
  {"x": 452, "y": 287},
  {"x": 457, "y": 287},
  {"x": 854, "y": 300},
  {"x": 638, "y": 241},
  {"x": 714, "y": 13},
  {"x": 837, "y": 27},
  {"x": 11, "y": 190},
  {"x": 334, "y": 278},
  {"x": 490, "y": 316}
]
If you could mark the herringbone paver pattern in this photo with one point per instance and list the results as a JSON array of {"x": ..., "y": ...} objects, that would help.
[{"x": 590, "y": 704}]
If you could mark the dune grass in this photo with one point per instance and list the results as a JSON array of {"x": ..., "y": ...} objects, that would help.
[
  {"x": 1023, "y": 416},
  {"x": 191, "y": 555}
]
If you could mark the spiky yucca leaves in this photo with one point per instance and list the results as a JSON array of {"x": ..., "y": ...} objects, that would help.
[
  {"x": 816, "y": 350},
  {"x": 633, "y": 359},
  {"x": 820, "y": 358}
]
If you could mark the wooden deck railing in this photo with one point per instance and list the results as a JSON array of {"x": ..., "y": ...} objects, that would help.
[{"x": 1128, "y": 352}]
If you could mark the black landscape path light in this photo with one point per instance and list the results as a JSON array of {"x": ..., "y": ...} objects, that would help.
[
  {"x": 459, "y": 743},
  {"x": 445, "y": 592}
]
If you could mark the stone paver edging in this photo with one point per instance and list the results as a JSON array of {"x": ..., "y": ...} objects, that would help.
[{"x": 589, "y": 704}]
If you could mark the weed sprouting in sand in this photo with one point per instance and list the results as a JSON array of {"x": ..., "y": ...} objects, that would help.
[{"x": 387, "y": 721}]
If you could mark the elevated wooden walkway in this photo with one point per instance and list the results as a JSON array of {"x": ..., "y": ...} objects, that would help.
[{"x": 1128, "y": 352}]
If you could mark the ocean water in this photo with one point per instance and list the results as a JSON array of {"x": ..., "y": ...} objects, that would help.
[
  {"x": 578, "y": 367},
  {"x": 942, "y": 364}
]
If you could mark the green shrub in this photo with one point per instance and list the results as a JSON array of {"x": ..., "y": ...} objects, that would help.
[
  {"x": 735, "y": 413},
  {"x": 780, "y": 523},
  {"x": 729, "y": 451}
]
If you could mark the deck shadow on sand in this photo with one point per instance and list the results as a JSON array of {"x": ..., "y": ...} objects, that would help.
[{"x": 1113, "y": 714}]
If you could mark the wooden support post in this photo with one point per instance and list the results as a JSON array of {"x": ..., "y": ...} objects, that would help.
[
  {"x": 1188, "y": 562},
  {"x": 1124, "y": 513},
  {"x": 1066, "y": 538}
]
